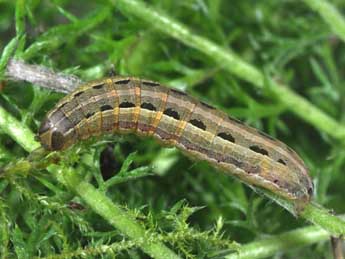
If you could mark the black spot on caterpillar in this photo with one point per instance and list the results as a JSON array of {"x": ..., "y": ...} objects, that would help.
[
  {"x": 198, "y": 123},
  {"x": 122, "y": 82},
  {"x": 100, "y": 86},
  {"x": 226, "y": 136},
  {"x": 126, "y": 105},
  {"x": 172, "y": 113},
  {"x": 259, "y": 150},
  {"x": 148, "y": 106}
]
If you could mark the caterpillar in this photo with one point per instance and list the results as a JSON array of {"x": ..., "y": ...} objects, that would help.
[{"x": 147, "y": 108}]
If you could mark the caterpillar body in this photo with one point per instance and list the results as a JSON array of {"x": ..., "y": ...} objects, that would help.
[{"x": 133, "y": 105}]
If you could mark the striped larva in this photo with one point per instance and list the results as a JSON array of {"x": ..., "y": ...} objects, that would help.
[{"x": 132, "y": 105}]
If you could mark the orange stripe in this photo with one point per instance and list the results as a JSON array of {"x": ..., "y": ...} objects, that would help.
[
  {"x": 81, "y": 107},
  {"x": 182, "y": 125},
  {"x": 100, "y": 123},
  {"x": 159, "y": 114},
  {"x": 137, "y": 103},
  {"x": 113, "y": 93},
  {"x": 215, "y": 133}
]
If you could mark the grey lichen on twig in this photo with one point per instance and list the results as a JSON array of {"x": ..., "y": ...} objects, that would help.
[{"x": 18, "y": 70}]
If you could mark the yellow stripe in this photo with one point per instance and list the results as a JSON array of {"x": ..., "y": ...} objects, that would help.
[
  {"x": 215, "y": 133},
  {"x": 116, "y": 105},
  {"x": 137, "y": 103},
  {"x": 182, "y": 125},
  {"x": 160, "y": 113}
]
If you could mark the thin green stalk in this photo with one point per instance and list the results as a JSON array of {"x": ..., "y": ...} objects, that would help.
[
  {"x": 6, "y": 55},
  {"x": 284, "y": 242},
  {"x": 4, "y": 232},
  {"x": 323, "y": 218},
  {"x": 330, "y": 14},
  {"x": 314, "y": 213},
  {"x": 17, "y": 131},
  {"x": 20, "y": 16},
  {"x": 117, "y": 217},
  {"x": 229, "y": 61}
]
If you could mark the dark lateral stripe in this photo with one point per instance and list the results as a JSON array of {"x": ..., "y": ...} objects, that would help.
[
  {"x": 207, "y": 105},
  {"x": 225, "y": 158},
  {"x": 150, "y": 83},
  {"x": 127, "y": 125},
  {"x": 163, "y": 134},
  {"x": 235, "y": 120},
  {"x": 144, "y": 127},
  {"x": 194, "y": 147},
  {"x": 265, "y": 135},
  {"x": 178, "y": 91},
  {"x": 211, "y": 154}
]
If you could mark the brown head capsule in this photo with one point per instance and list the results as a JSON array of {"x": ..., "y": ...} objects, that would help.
[{"x": 127, "y": 104}]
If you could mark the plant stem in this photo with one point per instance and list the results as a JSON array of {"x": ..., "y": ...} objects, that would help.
[
  {"x": 117, "y": 217},
  {"x": 40, "y": 75},
  {"x": 284, "y": 242},
  {"x": 6, "y": 55},
  {"x": 314, "y": 213},
  {"x": 330, "y": 14},
  {"x": 229, "y": 61},
  {"x": 4, "y": 232},
  {"x": 323, "y": 218},
  {"x": 16, "y": 130}
]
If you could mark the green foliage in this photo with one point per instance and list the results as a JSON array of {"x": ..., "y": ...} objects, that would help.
[{"x": 174, "y": 206}]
